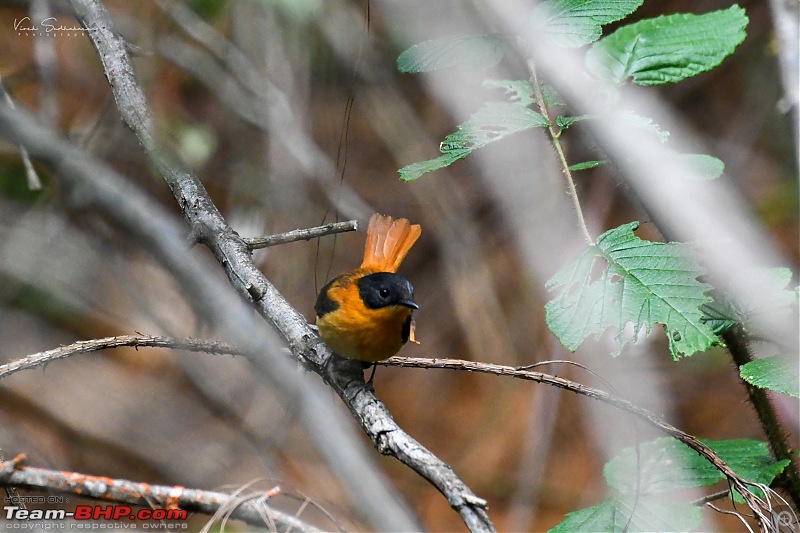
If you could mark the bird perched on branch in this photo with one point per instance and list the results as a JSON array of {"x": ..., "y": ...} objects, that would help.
[{"x": 366, "y": 314}]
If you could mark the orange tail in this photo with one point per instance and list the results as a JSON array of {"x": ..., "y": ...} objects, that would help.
[{"x": 388, "y": 242}]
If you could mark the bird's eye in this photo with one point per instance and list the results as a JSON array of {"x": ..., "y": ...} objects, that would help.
[{"x": 384, "y": 293}]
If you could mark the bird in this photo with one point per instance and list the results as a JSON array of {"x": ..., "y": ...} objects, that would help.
[{"x": 367, "y": 314}]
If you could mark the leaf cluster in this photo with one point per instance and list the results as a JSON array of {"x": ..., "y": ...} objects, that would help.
[{"x": 621, "y": 282}]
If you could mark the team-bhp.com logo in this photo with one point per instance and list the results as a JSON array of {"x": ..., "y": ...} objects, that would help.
[{"x": 94, "y": 512}]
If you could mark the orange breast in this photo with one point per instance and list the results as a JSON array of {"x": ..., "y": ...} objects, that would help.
[{"x": 357, "y": 332}]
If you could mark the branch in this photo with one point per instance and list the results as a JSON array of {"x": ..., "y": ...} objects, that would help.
[
  {"x": 738, "y": 482},
  {"x": 93, "y": 345},
  {"x": 378, "y": 501},
  {"x": 247, "y": 91},
  {"x": 252, "y": 509},
  {"x": 739, "y": 348},
  {"x": 201, "y": 345},
  {"x": 34, "y": 182},
  {"x": 254, "y": 243},
  {"x": 99, "y": 189},
  {"x": 390, "y": 440}
]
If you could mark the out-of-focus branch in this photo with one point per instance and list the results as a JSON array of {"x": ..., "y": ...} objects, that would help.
[
  {"x": 379, "y": 503},
  {"x": 44, "y": 50},
  {"x": 96, "y": 187},
  {"x": 202, "y": 345},
  {"x": 252, "y": 509},
  {"x": 247, "y": 91},
  {"x": 34, "y": 182},
  {"x": 786, "y": 20}
]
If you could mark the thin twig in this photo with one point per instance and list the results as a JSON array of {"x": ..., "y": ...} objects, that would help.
[
  {"x": 209, "y": 346},
  {"x": 93, "y": 345},
  {"x": 255, "y": 243},
  {"x": 379, "y": 501},
  {"x": 250, "y": 510},
  {"x": 555, "y": 138},
  {"x": 107, "y": 193},
  {"x": 738, "y": 482}
]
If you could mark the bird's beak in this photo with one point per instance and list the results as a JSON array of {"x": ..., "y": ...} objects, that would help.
[{"x": 409, "y": 303}]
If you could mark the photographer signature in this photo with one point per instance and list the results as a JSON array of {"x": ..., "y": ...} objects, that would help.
[{"x": 48, "y": 26}]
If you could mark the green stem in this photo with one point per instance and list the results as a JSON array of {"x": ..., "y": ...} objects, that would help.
[
  {"x": 555, "y": 137},
  {"x": 790, "y": 478}
]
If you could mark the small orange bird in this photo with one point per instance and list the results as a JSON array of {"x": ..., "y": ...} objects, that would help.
[{"x": 366, "y": 314}]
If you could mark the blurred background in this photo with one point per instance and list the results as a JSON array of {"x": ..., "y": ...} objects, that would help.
[{"x": 253, "y": 96}]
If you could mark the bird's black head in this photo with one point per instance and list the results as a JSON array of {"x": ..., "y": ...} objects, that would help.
[{"x": 384, "y": 289}]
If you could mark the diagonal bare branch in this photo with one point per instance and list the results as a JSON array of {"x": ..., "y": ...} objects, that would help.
[{"x": 377, "y": 501}]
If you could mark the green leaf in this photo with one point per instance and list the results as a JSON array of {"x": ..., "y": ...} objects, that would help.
[
  {"x": 704, "y": 166},
  {"x": 416, "y": 170},
  {"x": 465, "y": 52},
  {"x": 519, "y": 91},
  {"x": 668, "y": 49},
  {"x": 565, "y": 121},
  {"x": 644, "y": 124},
  {"x": 751, "y": 459},
  {"x": 659, "y": 466},
  {"x": 720, "y": 315},
  {"x": 587, "y": 165},
  {"x": 778, "y": 373},
  {"x": 624, "y": 279},
  {"x": 551, "y": 96},
  {"x": 494, "y": 121},
  {"x": 666, "y": 465},
  {"x": 776, "y": 281},
  {"x": 574, "y": 23},
  {"x": 639, "y": 475},
  {"x": 643, "y": 514}
]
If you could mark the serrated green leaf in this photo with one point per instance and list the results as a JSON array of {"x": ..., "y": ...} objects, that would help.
[
  {"x": 640, "y": 475},
  {"x": 416, "y": 170},
  {"x": 587, "y": 165},
  {"x": 659, "y": 466},
  {"x": 641, "y": 282},
  {"x": 494, "y": 121},
  {"x": 666, "y": 465},
  {"x": 574, "y": 23},
  {"x": 565, "y": 121},
  {"x": 751, "y": 459},
  {"x": 776, "y": 281},
  {"x": 703, "y": 166},
  {"x": 668, "y": 49},
  {"x": 551, "y": 96},
  {"x": 644, "y": 124},
  {"x": 465, "y": 52},
  {"x": 779, "y": 373},
  {"x": 720, "y": 316},
  {"x": 519, "y": 91},
  {"x": 643, "y": 514}
]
